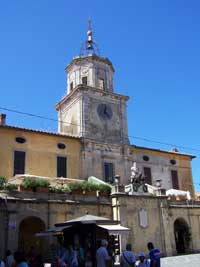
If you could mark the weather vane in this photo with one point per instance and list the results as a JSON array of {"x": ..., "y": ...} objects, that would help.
[{"x": 89, "y": 46}]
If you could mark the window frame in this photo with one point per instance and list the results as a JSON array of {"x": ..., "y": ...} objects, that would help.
[
  {"x": 109, "y": 179},
  {"x": 175, "y": 182},
  {"x": 57, "y": 171},
  {"x": 24, "y": 167}
]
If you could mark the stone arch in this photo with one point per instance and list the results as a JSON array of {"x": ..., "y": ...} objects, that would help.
[
  {"x": 28, "y": 227},
  {"x": 182, "y": 236}
]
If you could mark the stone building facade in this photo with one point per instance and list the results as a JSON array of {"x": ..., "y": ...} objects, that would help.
[
  {"x": 173, "y": 226},
  {"x": 92, "y": 140}
]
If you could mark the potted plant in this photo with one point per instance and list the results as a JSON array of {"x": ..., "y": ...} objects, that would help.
[
  {"x": 66, "y": 189},
  {"x": 32, "y": 184},
  {"x": 89, "y": 188},
  {"x": 104, "y": 189},
  {"x": 28, "y": 184},
  {"x": 10, "y": 187},
  {"x": 42, "y": 186},
  {"x": 75, "y": 188},
  {"x": 55, "y": 188}
]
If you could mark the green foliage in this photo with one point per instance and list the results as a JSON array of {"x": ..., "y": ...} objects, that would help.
[
  {"x": 104, "y": 188},
  {"x": 34, "y": 183},
  {"x": 10, "y": 187},
  {"x": 89, "y": 186},
  {"x": 59, "y": 189},
  {"x": 74, "y": 186},
  {"x": 43, "y": 182},
  {"x": 56, "y": 189},
  {"x": 2, "y": 181},
  {"x": 66, "y": 189}
]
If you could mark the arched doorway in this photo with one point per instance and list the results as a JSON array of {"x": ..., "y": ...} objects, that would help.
[
  {"x": 182, "y": 236},
  {"x": 27, "y": 230}
]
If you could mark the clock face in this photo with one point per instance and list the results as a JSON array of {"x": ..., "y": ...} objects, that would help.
[{"x": 104, "y": 111}]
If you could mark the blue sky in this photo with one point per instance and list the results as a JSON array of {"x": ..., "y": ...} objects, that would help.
[{"x": 154, "y": 47}]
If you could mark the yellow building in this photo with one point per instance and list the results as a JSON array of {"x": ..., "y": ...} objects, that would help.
[{"x": 40, "y": 153}]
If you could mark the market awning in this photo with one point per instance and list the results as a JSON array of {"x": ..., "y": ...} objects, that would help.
[
  {"x": 88, "y": 219},
  {"x": 115, "y": 229},
  {"x": 52, "y": 231}
]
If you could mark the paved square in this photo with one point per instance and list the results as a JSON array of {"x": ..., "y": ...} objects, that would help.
[{"x": 181, "y": 261}]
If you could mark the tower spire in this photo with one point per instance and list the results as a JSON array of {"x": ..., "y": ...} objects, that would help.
[{"x": 89, "y": 46}]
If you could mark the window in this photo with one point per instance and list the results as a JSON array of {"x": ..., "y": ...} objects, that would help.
[
  {"x": 145, "y": 158},
  {"x": 173, "y": 161},
  {"x": 174, "y": 175},
  {"x": 147, "y": 175},
  {"x": 71, "y": 86},
  {"x": 61, "y": 146},
  {"x": 84, "y": 80},
  {"x": 20, "y": 140},
  {"x": 61, "y": 166},
  {"x": 19, "y": 162},
  {"x": 101, "y": 84},
  {"x": 108, "y": 172}
]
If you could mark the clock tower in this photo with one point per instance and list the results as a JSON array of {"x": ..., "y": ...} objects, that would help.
[{"x": 90, "y": 108}]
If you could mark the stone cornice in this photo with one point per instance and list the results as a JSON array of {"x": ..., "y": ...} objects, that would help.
[
  {"x": 92, "y": 58},
  {"x": 82, "y": 88}
]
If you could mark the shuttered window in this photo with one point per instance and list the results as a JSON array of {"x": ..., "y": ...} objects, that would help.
[
  {"x": 19, "y": 162},
  {"x": 108, "y": 172},
  {"x": 61, "y": 166},
  {"x": 174, "y": 175},
  {"x": 147, "y": 175}
]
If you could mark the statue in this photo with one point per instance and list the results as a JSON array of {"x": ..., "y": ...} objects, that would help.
[{"x": 137, "y": 179}]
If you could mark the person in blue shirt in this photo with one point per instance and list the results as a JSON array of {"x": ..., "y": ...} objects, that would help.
[{"x": 154, "y": 255}]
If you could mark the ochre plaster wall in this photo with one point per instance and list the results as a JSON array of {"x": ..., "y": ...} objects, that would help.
[{"x": 41, "y": 153}]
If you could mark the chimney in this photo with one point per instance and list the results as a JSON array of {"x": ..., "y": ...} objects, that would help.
[{"x": 2, "y": 119}]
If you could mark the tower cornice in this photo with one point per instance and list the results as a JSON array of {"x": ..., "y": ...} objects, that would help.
[
  {"x": 82, "y": 88},
  {"x": 89, "y": 57}
]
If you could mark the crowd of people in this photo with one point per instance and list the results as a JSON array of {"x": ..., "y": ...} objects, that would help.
[
  {"x": 127, "y": 258},
  {"x": 76, "y": 256},
  {"x": 21, "y": 259}
]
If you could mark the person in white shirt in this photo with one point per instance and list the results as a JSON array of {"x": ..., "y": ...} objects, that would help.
[
  {"x": 142, "y": 262},
  {"x": 127, "y": 258},
  {"x": 102, "y": 256}
]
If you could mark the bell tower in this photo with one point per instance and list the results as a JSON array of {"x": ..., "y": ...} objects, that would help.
[{"x": 90, "y": 108}]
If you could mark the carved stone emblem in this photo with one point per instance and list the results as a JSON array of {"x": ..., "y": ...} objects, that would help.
[{"x": 143, "y": 218}]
